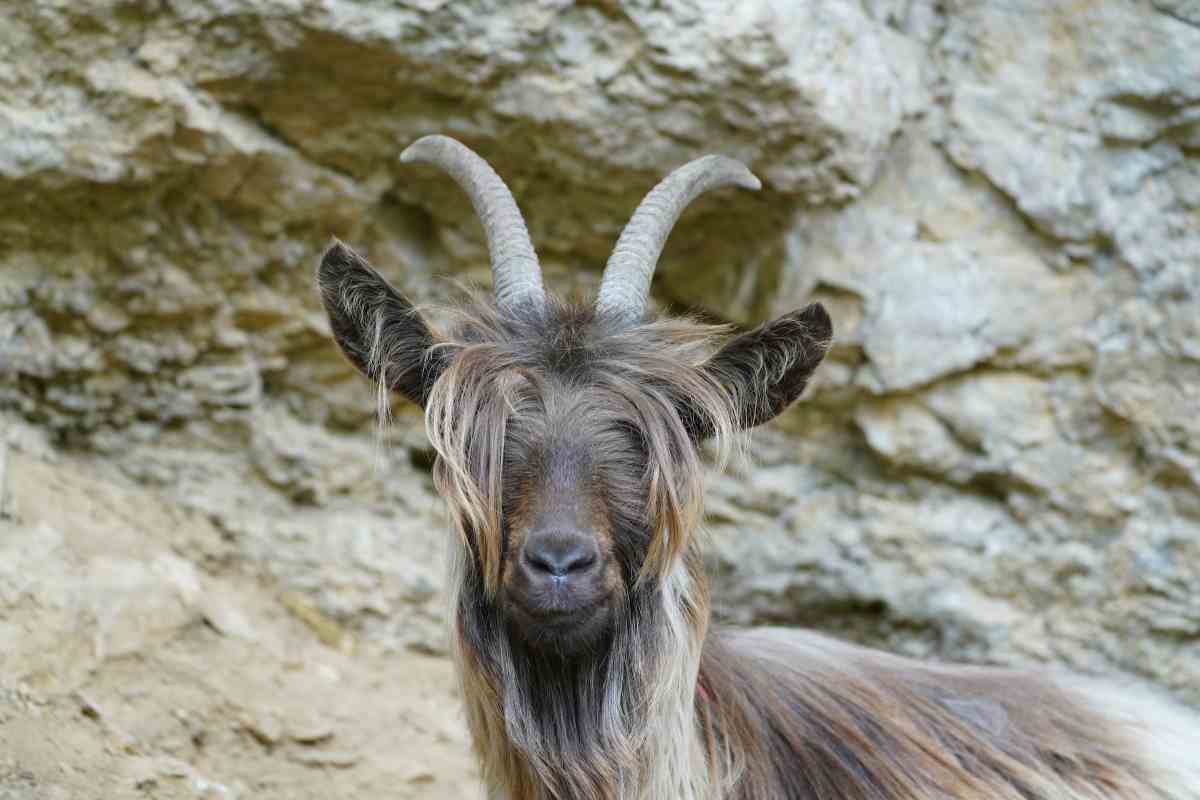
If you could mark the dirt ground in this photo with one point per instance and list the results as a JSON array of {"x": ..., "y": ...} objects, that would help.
[{"x": 136, "y": 661}]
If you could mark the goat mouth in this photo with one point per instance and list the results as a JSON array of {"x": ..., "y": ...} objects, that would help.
[
  {"x": 565, "y": 630},
  {"x": 560, "y": 611}
]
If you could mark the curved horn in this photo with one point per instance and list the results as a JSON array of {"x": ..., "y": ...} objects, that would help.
[
  {"x": 626, "y": 283},
  {"x": 516, "y": 275}
]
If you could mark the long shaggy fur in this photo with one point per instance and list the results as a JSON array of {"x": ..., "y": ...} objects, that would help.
[
  {"x": 611, "y": 726},
  {"x": 823, "y": 719},
  {"x": 666, "y": 709},
  {"x": 778, "y": 714},
  {"x": 505, "y": 369}
]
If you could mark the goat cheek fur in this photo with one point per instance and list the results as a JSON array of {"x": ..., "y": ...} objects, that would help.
[{"x": 568, "y": 442}]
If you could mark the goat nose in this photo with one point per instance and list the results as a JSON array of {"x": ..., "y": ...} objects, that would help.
[{"x": 560, "y": 555}]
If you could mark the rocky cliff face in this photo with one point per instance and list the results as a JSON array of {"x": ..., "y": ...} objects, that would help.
[{"x": 998, "y": 201}]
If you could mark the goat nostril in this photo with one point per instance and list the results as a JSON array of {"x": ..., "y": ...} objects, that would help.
[
  {"x": 558, "y": 558},
  {"x": 581, "y": 562}
]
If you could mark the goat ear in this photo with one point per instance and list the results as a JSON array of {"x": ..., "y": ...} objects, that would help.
[
  {"x": 377, "y": 328},
  {"x": 766, "y": 369}
]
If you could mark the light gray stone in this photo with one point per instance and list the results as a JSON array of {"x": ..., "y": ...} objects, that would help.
[
  {"x": 998, "y": 200},
  {"x": 1084, "y": 117}
]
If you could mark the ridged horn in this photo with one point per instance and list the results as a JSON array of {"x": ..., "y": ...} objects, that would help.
[
  {"x": 516, "y": 274},
  {"x": 625, "y": 286}
]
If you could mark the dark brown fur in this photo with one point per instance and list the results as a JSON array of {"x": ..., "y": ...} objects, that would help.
[{"x": 821, "y": 719}]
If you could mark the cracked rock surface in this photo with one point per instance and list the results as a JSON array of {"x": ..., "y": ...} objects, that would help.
[{"x": 218, "y": 580}]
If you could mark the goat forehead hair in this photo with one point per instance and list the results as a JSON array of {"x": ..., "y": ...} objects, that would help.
[
  {"x": 565, "y": 337},
  {"x": 508, "y": 366}
]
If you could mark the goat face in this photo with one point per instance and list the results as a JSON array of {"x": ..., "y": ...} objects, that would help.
[
  {"x": 568, "y": 449},
  {"x": 572, "y": 530}
]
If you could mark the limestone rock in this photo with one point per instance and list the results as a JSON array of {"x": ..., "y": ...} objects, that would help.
[
  {"x": 1085, "y": 118},
  {"x": 999, "y": 202}
]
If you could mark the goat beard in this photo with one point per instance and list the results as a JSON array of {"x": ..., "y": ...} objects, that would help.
[{"x": 594, "y": 726}]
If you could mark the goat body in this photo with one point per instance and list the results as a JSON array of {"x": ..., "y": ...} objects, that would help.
[
  {"x": 816, "y": 718},
  {"x": 568, "y": 444}
]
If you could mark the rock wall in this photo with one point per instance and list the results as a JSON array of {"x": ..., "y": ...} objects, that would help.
[{"x": 999, "y": 202}]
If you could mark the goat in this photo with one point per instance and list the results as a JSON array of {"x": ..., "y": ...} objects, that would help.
[{"x": 568, "y": 440}]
